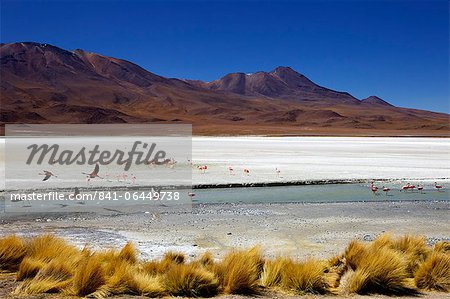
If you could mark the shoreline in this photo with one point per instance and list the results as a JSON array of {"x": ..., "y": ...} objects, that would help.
[{"x": 237, "y": 185}]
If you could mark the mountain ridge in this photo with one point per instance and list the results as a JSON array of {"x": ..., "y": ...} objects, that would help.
[{"x": 46, "y": 84}]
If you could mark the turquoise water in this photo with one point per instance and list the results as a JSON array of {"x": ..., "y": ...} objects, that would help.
[
  {"x": 276, "y": 194},
  {"x": 314, "y": 193}
]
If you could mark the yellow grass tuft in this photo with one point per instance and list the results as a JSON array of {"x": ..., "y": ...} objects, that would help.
[
  {"x": 381, "y": 270},
  {"x": 434, "y": 273},
  {"x": 54, "y": 277},
  {"x": 383, "y": 240},
  {"x": 128, "y": 253},
  {"x": 175, "y": 257},
  {"x": 28, "y": 268},
  {"x": 442, "y": 246},
  {"x": 206, "y": 259},
  {"x": 239, "y": 271},
  {"x": 415, "y": 249},
  {"x": 144, "y": 284},
  {"x": 272, "y": 273},
  {"x": 128, "y": 279},
  {"x": 354, "y": 253},
  {"x": 305, "y": 277},
  {"x": 48, "y": 247},
  {"x": 89, "y": 276},
  {"x": 189, "y": 280},
  {"x": 12, "y": 251}
]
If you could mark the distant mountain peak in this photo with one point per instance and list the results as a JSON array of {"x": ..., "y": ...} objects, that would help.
[
  {"x": 283, "y": 69},
  {"x": 374, "y": 100}
]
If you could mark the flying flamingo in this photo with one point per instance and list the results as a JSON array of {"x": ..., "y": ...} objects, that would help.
[
  {"x": 246, "y": 171},
  {"x": 48, "y": 174},
  {"x": 386, "y": 190},
  {"x": 438, "y": 187},
  {"x": 420, "y": 188},
  {"x": 374, "y": 189},
  {"x": 93, "y": 174}
]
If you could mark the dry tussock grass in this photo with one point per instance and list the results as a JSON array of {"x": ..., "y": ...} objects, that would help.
[
  {"x": 305, "y": 277},
  {"x": 381, "y": 270},
  {"x": 388, "y": 265},
  {"x": 12, "y": 251},
  {"x": 442, "y": 246},
  {"x": 272, "y": 273},
  {"x": 239, "y": 271},
  {"x": 192, "y": 281},
  {"x": 434, "y": 273}
]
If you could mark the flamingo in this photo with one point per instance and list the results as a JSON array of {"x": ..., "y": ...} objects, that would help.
[
  {"x": 438, "y": 187},
  {"x": 374, "y": 189},
  {"x": 191, "y": 194},
  {"x": 405, "y": 187},
  {"x": 420, "y": 188},
  {"x": 231, "y": 170},
  {"x": 246, "y": 171},
  {"x": 171, "y": 163},
  {"x": 48, "y": 174},
  {"x": 93, "y": 174},
  {"x": 133, "y": 178},
  {"x": 386, "y": 190},
  {"x": 202, "y": 168},
  {"x": 278, "y": 172}
]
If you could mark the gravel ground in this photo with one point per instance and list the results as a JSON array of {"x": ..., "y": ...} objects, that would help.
[{"x": 293, "y": 229}]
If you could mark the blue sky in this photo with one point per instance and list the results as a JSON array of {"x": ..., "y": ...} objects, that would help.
[{"x": 397, "y": 50}]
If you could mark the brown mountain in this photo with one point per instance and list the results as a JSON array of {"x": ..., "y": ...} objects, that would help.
[
  {"x": 41, "y": 83},
  {"x": 282, "y": 82},
  {"x": 374, "y": 100}
]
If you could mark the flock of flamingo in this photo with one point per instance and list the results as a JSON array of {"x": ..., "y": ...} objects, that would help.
[
  {"x": 404, "y": 188},
  {"x": 203, "y": 169}
]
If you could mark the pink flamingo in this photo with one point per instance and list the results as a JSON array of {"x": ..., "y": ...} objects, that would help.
[
  {"x": 231, "y": 170},
  {"x": 438, "y": 187},
  {"x": 133, "y": 178},
  {"x": 374, "y": 189},
  {"x": 246, "y": 171},
  {"x": 191, "y": 194},
  {"x": 412, "y": 187},
  {"x": 420, "y": 188},
  {"x": 202, "y": 168},
  {"x": 171, "y": 163},
  {"x": 386, "y": 190},
  {"x": 405, "y": 187}
]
